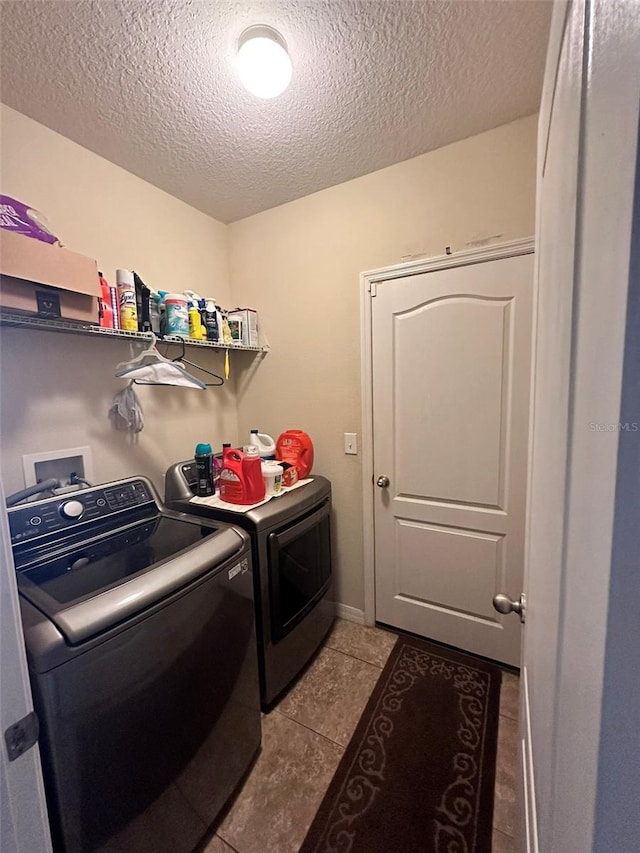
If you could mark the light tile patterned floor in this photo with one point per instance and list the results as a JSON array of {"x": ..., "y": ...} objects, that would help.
[{"x": 304, "y": 737}]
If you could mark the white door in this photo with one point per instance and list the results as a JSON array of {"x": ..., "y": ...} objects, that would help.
[
  {"x": 451, "y": 365},
  {"x": 558, "y": 146},
  {"x": 578, "y": 729}
]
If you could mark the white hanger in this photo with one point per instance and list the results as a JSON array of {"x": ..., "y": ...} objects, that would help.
[
  {"x": 150, "y": 351},
  {"x": 169, "y": 372}
]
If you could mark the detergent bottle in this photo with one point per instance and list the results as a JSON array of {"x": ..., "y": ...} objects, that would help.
[
  {"x": 204, "y": 467},
  {"x": 241, "y": 480},
  {"x": 105, "y": 305},
  {"x": 265, "y": 444},
  {"x": 295, "y": 447}
]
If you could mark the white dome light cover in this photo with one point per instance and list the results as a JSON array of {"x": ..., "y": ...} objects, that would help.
[{"x": 262, "y": 61}]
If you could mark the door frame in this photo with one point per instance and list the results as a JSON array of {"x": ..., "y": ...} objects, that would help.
[
  {"x": 24, "y": 822},
  {"x": 368, "y": 282}
]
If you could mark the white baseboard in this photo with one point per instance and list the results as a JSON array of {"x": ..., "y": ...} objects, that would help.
[{"x": 346, "y": 612}]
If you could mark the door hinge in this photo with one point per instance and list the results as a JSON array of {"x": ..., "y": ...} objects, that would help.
[
  {"x": 22, "y": 735},
  {"x": 373, "y": 288}
]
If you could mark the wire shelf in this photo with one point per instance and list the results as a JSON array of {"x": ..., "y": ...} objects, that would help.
[{"x": 73, "y": 327}]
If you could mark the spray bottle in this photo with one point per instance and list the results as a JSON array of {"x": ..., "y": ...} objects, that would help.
[
  {"x": 211, "y": 321},
  {"x": 127, "y": 299}
]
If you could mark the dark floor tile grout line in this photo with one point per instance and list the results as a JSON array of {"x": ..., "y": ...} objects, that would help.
[
  {"x": 308, "y": 728},
  {"x": 235, "y": 849},
  {"x": 502, "y": 832},
  {"x": 509, "y": 717},
  {"x": 355, "y": 657}
]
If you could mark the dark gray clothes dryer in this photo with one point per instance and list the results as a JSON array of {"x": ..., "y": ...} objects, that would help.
[{"x": 291, "y": 547}]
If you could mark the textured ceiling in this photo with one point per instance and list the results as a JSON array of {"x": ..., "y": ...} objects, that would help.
[{"x": 150, "y": 85}]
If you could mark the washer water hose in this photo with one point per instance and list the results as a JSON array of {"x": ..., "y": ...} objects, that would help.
[{"x": 23, "y": 494}]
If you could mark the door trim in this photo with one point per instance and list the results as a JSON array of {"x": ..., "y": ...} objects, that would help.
[
  {"x": 496, "y": 252},
  {"x": 529, "y": 817}
]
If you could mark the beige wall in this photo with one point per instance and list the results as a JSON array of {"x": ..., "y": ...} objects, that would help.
[
  {"x": 299, "y": 265},
  {"x": 56, "y": 389}
]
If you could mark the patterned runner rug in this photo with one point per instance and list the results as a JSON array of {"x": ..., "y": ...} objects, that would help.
[{"x": 419, "y": 771}]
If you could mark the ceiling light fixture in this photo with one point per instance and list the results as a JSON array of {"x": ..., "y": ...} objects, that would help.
[{"x": 262, "y": 62}]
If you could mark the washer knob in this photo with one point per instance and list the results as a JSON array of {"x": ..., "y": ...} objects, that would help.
[{"x": 72, "y": 509}]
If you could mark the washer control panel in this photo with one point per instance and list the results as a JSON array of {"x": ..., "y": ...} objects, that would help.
[{"x": 34, "y": 520}]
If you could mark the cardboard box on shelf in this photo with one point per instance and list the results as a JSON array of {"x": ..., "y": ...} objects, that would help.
[
  {"x": 47, "y": 281},
  {"x": 248, "y": 325}
]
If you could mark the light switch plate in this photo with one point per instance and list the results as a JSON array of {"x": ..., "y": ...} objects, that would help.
[{"x": 351, "y": 443}]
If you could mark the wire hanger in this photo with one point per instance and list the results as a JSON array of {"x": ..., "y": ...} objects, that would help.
[
  {"x": 179, "y": 360},
  {"x": 150, "y": 367}
]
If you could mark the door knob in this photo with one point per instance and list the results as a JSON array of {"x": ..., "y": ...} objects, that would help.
[
  {"x": 503, "y": 604},
  {"x": 383, "y": 482}
]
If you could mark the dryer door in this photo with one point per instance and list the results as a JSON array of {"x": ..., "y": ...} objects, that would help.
[{"x": 299, "y": 569}]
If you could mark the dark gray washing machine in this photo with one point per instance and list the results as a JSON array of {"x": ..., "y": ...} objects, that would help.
[
  {"x": 140, "y": 635},
  {"x": 291, "y": 546}
]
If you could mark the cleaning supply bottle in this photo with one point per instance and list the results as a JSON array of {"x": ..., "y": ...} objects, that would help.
[
  {"x": 265, "y": 444},
  {"x": 143, "y": 298},
  {"x": 154, "y": 311},
  {"x": 162, "y": 308},
  {"x": 211, "y": 320},
  {"x": 241, "y": 480},
  {"x": 127, "y": 300},
  {"x": 204, "y": 467},
  {"x": 295, "y": 447},
  {"x": 115, "y": 306},
  {"x": 177, "y": 315},
  {"x": 225, "y": 333},
  {"x": 105, "y": 310},
  {"x": 196, "y": 329}
]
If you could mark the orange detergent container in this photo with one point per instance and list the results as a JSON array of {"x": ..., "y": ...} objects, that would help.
[
  {"x": 295, "y": 447},
  {"x": 241, "y": 480}
]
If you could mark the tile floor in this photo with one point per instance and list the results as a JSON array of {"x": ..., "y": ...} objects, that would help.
[{"x": 304, "y": 737}]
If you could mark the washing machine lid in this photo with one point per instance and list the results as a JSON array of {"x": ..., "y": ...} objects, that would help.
[{"x": 89, "y": 588}]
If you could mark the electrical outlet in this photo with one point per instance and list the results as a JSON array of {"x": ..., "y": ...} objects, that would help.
[{"x": 351, "y": 443}]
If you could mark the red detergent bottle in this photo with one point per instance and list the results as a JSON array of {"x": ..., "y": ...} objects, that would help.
[
  {"x": 105, "y": 309},
  {"x": 241, "y": 480},
  {"x": 295, "y": 447}
]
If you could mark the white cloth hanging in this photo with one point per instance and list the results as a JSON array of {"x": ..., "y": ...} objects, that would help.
[
  {"x": 159, "y": 373},
  {"x": 126, "y": 411}
]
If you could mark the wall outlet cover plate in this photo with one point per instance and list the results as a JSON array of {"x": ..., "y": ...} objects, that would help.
[{"x": 57, "y": 463}]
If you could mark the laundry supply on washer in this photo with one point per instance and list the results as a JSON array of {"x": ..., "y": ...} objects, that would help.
[
  {"x": 241, "y": 480},
  {"x": 265, "y": 444},
  {"x": 204, "y": 466},
  {"x": 295, "y": 446},
  {"x": 272, "y": 474}
]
